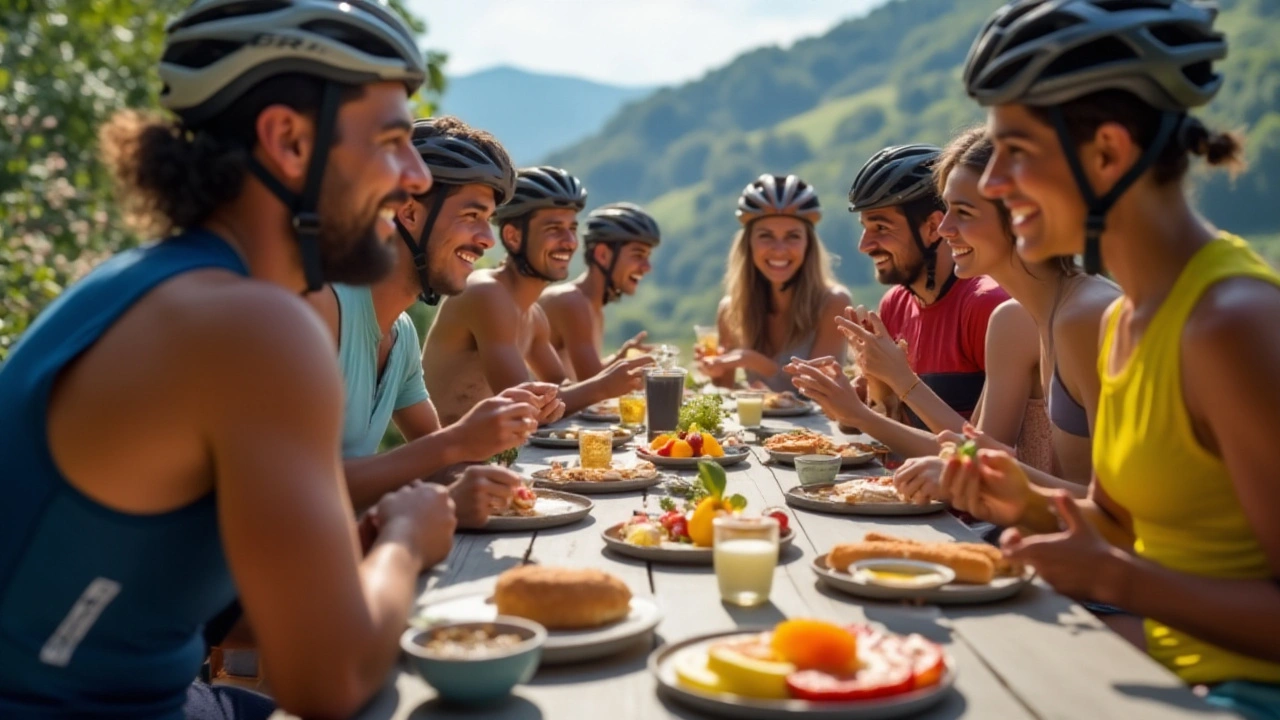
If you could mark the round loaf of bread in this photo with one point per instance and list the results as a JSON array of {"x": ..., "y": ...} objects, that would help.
[{"x": 562, "y": 598}]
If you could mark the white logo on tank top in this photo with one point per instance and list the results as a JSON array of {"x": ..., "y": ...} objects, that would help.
[{"x": 62, "y": 644}]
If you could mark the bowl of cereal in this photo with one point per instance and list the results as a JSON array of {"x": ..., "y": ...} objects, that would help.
[{"x": 475, "y": 663}]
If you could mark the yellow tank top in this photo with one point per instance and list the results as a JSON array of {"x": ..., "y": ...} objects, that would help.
[{"x": 1186, "y": 515}]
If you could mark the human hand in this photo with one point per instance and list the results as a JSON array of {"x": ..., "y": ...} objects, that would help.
[
  {"x": 1071, "y": 561},
  {"x": 497, "y": 424},
  {"x": 482, "y": 490},
  {"x": 836, "y": 395},
  {"x": 979, "y": 438},
  {"x": 879, "y": 355},
  {"x": 635, "y": 343},
  {"x": 991, "y": 487},
  {"x": 624, "y": 376},
  {"x": 421, "y": 517},
  {"x": 546, "y": 397},
  {"x": 919, "y": 480}
]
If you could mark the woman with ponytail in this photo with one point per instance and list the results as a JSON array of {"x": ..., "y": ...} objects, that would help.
[{"x": 1088, "y": 107}]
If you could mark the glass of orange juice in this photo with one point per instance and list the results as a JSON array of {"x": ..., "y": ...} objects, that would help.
[
  {"x": 745, "y": 553},
  {"x": 708, "y": 338},
  {"x": 595, "y": 448},
  {"x": 631, "y": 409}
]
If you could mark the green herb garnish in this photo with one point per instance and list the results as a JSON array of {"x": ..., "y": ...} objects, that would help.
[
  {"x": 667, "y": 504},
  {"x": 506, "y": 458},
  {"x": 704, "y": 410},
  {"x": 969, "y": 449}
]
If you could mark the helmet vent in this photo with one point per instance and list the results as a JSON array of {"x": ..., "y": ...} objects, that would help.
[
  {"x": 1102, "y": 51},
  {"x": 222, "y": 12},
  {"x": 1176, "y": 34},
  {"x": 1124, "y": 5},
  {"x": 348, "y": 35},
  {"x": 200, "y": 54}
]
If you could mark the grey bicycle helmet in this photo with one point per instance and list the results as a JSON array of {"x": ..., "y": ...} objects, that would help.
[
  {"x": 538, "y": 188},
  {"x": 894, "y": 177},
  {"x": 454, "y": 161},
  {"x": 771, "y": 195},
  {"x": 1044, "y": 53},
  {"x": 618, "y": 224},
  {"x": 218, "y": 50}
]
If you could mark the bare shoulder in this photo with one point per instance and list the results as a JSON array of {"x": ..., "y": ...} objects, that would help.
[
  {"x": 1078, "y": 320},
  {"x": 1010, "y": 315},
  {"x": 325, "y": 302},
  {"x": 836, "y": 299},
  {"x": 1238, "y": 312},
  {"x": 484, "y": 299},
  {"x": 722, "y": 310},
  {"x": 564, "y": 299}
]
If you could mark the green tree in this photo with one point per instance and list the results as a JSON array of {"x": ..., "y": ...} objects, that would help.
[{"x": 65, "y": 67}]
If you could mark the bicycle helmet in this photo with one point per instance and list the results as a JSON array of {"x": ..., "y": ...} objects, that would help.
[
  {"x": 538, "y": 188},
  {"x": 770, "y": 195},
  {"x": 1044, "y": 53},
  {"x": 218, "y": 50},
  {"x": 454, "y": 161},
  {"x": 894, "y": 177},
  {"x": 618, "y": 224}
]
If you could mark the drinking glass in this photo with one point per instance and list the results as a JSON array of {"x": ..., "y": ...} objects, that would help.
[
  {"x": 664, "y": 393},
  {"x": 745, "y": 553},
  {"x": 708, "y": 338},
  {"x": 631, "y": 409},
  {"x": 595, "y": 448},
  {"x": 750, "y": 408}
]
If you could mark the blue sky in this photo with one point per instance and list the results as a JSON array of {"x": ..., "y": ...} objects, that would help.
[{"x": 625, "y": 42}]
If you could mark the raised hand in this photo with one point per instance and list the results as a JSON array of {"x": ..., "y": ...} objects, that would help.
[
  {"x": 981, "y": 439},
  {"x": 498, "y": 423},
  {"x": 420, "y": 515},
  {"x": 635, "y": 343},
  {"x": 546, "y": 398},
  {"x": 879, "y": 355},
  {"x": 1069, "y": 560},
  {"x": 836, "y": 395},
  {"x": 990, "y": 487},
  {"x": 624, "y": 376},
  {"x": 481, "y": 491}
]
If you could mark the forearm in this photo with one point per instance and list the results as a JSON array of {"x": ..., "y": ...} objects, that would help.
[
  {"x": 1238, "y": 615},
  {"x": 760, "y": 364},
  {"x": 1042, "y": 479},
  {"x": 903, "y": 439},
  {"x": 389, "y": 575},
  {"x": 933, "y": 410},
  {"x": 369, "y": 478},
  {"x": 1040, "y": 518},
  {"x": 579, "y": 396}
]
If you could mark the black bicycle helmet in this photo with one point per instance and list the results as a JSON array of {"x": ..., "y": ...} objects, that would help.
[
  {"x": 618, "y": 224},
  {"x": 894, "y": 177},
  {"x": 454, "y": 161},
  {"x": 770, "y": 195},
  {"x": 218, "y": 50},
  {"x": 1044, "y": 53},
  {"x": 538, "y": 188}
]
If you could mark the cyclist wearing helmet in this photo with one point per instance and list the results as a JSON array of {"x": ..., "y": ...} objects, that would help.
[
  {"x": 780, "y": 298},
  {"x": 489, "y": 337},
  {"x": 1180, "y": 526},
  {"x": 169, "y": 426},
  {"x": 378, "y": 349},
  {"x": 942, "y": 319},
  {"x": 619, "y": 240}
]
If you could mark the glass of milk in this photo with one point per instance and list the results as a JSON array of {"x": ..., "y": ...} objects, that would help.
[
  {"x": 745, "y": 552},
  {"x": 750, "y": 408}
]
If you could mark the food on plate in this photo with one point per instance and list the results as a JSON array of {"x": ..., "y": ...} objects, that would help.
[
  {"x": 813, "y": 660},
  {"x": 523, "y": 502},
  {"x": 705, "y": 411},
  {"x": 468, "y": 643},
  {"x": 967, "y": 450},
  {"x": 782, "y": 401},
  {"x": 1004, "y": 567},
  {"x": 972, "y": 562},
  {"x": 563, "y": 473},
  {"x": 688, "y": 443},
  {"x": 808, "y": 442},
  {"x": 692, "y": 524},
  {"x": 860, "y": 490},
  {"x": 572, "y": 433},
  {"x": 562, "y": 598},
  {"x": 506, "y": 458},
  {"x": 608, "y": 407}
]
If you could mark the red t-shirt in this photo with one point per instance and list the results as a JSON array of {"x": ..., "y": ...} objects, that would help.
[{"x": 946, "y": 341}]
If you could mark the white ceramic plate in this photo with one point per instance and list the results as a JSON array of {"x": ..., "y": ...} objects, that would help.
[
  {"x": 733, "y": 455},
  {"x": 662, "y": 665},
  {"x": 597, "y": 488},
  {"x": 562, "y": 646},
  {"x": 955, "y": 593},
  {"x": 846, "y": 461},
  {"x": 795, "y": 411},
  {"x": 543, "y": 438},
  {"x": 598, "y": 413},
  {"x": 554, "y": 508},
  {"x": 672, "y": 553},
  {"x": 800, "y": 497}
]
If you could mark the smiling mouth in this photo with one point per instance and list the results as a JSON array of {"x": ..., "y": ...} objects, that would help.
[
  {"x": 778, "y": 264},
  {"x": 467, "y": 257},
  {"x": 881, "y": 260},
  {"x": 1022, "y": 216},
  {"x": 635, "y": 278},
  {"x": 562, "y": 256},
  {"x": 961, "y": 250}
]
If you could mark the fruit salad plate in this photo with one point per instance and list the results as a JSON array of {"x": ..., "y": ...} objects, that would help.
[
  {"x": 733, "y": 454},
  {"x": 672, "y": 553}
]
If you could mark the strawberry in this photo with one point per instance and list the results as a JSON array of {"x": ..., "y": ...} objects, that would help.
[
  {"x": 679, "y": 529},
  {"x": 670, "y": 518},
  {"x": 783, "y": 521},
  {"x": 665, "y": 450},
  {"x": 695, "y": 442}
]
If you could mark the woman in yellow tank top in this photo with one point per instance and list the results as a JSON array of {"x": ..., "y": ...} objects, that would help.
[{"x": 1089, "y": 116}]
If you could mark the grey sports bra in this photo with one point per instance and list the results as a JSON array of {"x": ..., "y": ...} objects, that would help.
[{"x": 1065, "y": 413}]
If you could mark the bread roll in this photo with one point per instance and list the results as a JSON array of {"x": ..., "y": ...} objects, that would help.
[
  {"x": 970, "y": 567},
  {"x": 562, "y": 598}
]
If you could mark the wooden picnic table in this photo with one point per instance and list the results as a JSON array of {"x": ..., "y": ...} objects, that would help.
[{"x": 1037, "y": 655}]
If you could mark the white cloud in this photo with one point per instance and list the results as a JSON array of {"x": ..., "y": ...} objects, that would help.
[{"x": 636, "y": 42}]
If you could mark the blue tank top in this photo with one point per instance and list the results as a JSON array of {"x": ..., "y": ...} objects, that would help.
[{"x": 100, "y": 611}]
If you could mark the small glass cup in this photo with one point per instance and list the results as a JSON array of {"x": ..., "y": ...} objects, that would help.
[
  {"x": 745, "y": 553},
  {"x": 665, "y": 356},
  {"x": 708, "y": 338},
  {"x": 631, "y": 410},
  {"x": 750, "y": 408},
  {"x": 595, "y": 448}
]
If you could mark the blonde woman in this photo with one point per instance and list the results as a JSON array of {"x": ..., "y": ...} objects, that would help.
[{"x": 780, "y": 299}]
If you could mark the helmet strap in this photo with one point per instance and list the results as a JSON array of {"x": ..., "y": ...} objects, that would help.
[
  {"x": 304, "y": 206},
  {"x": 521, "y": 258},
  {"x": 611, "y": 291},
  {"x": 419, "y": 248},
  {"x": 1098, "y": 207}
]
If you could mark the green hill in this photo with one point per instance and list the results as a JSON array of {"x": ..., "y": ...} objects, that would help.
[{"x": 820, "y": 108}]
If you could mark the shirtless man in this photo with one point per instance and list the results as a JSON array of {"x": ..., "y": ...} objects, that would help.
[
  {"x": 618, "y": 242},
  {"x": 443, "y": 232},
  {"x": 488, "y": 338}
]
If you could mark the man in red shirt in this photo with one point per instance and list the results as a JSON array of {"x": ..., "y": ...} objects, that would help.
[{"x": 942, "y": 318}]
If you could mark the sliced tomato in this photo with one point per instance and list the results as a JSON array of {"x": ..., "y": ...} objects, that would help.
[
  {"x": 881, "y": 675},
  {"x": 927, "y": 659}
]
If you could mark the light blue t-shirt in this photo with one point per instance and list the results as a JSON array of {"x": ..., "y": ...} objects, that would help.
[{"x": 371, "y": 399}]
